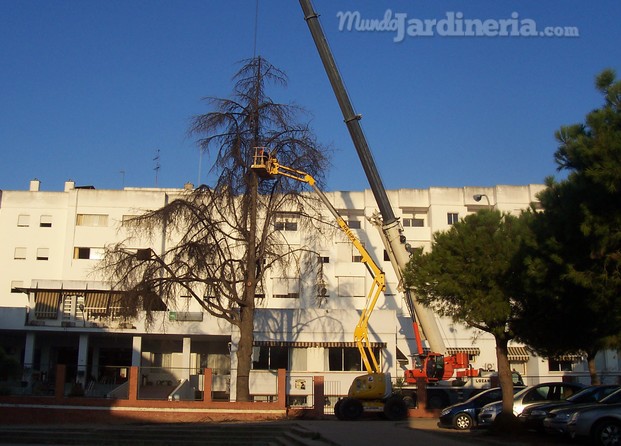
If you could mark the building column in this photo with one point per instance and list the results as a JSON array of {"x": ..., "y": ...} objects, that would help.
[
  {"x": 45, "y": 363},
  {"x": 82, "y": 375},
  {"x": 136, "y": 351},
  {"x": 187, "y": 357},
  {"x": 95, "y": 363},
  {"x": 29, "y": 350}
]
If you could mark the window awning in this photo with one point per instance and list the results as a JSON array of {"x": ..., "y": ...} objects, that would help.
[
  {"x": 474, "y": 351},
  {"x": 47, "y": 304},
  {"x": 518, "y": 354},
  {"x": 97, "y": 301},
  {"x": 302, "y": 344}
]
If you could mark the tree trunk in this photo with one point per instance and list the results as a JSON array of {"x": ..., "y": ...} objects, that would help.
[
  {"x": 246, "y": 327},
  {"x": 244, "y": 353},
  {"x": 504, "y": 374},
  {"x": 595, "y": 379}
]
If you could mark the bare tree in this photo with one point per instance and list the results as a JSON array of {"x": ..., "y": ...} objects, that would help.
[{"x": 225, "y": 237}]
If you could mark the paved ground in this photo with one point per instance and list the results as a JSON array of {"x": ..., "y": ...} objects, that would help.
[
  {"x": 330, "y": 432},
  {"x": 415, "y": 431}
]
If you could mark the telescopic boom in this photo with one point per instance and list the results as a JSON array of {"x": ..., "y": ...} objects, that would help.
[{"x": 389, "y": 225}]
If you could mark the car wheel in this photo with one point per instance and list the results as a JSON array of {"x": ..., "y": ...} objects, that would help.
[
  {"x": 395, "y": 408},
  {"x": 351, "y": 409},
  {"x": 337, "y": 410},
  {"x": 462, "y": 422},
  {"x": 607, "y": 433},
  {"x": 410, "y": 401}
]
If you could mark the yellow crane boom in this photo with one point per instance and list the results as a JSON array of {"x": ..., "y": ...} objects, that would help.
[{"x": 266, "y": 166}]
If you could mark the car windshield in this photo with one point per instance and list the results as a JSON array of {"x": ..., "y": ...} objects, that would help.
[
  {"x": 592, "y": 394},
  {"x": 489, "y": 395},
  {"x": 613, "y": 398},
  {"x": 522, "y": 392}
]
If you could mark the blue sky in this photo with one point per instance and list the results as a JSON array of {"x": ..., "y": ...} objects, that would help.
[{"x": 90, "y": 90}]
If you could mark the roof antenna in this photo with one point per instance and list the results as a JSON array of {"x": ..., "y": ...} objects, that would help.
[{"x": 157, "y": 165}]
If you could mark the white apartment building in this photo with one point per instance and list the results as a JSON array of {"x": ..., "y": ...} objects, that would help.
[{"x": 54, "y": 309}]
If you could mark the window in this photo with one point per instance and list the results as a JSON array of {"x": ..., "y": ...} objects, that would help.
[
  {"x": 259, "y": 293},
  {"x": 20, "y": 254},
  {"x": 349, "y": 286},
  {"x": 125, "y": 219},
  {"x": 556, "y": 365},
  {"x": 413, "y": 222},
  {"x": 324, "y": 259},
  {"x": 96, "y": 220},
  {"x": 211, "y": 293},
  {"x": 270, "y": 358},
  {"x": 354, "y": 224},
  {"x": 452, "y": 218},
  {"x": 286, "y": 287},
  {"x": 298, "y": 361},
  {"x": 342, "y": 359},
  {"x": 88, "y": 253},
  {"x": 163, "y": 360},
  {"x": 347, "y": 252},
  {"x": 144, "y": 254},
  {"x": 43, "y": 254},
  {"x": 286, "y": 221},
  {"x": 23, "y": 220},
  {"x": 45, "y": 221}
]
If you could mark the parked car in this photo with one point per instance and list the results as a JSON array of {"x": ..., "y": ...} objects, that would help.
[
  {"x": 463, "y": 415},
  {"x": 557, "y": 419},
  {"x": 554, "y": 391},
  {"x": 600, "y": 425},
  {"x": 532, "y": 416}
]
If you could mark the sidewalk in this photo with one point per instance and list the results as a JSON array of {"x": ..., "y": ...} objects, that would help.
[
  {"x": 379, "y": 432},
  {"x": 411, "y": 432}
]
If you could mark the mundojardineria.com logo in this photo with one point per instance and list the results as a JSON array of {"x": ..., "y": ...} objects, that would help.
[{"x": 453, "y": 24}]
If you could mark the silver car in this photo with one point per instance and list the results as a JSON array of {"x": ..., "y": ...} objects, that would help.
[
  {"x": 557, "y": 419},
  {"x": 554, "y": 391},
  {"x": 601, "y": 425}
]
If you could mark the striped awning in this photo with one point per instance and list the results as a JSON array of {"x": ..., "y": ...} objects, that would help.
[
  {"x": 310, "y": 344},
  {"x": 474, "y": 351},
  {"x": 47, "y": 304},
  {"x": 97, "y": 301},
  {"x": 518, "y": 354}
]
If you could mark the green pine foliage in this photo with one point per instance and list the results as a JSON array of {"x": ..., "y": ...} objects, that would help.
[
  {"x": 571, "y": 298},
  {"x": 465, "y": 276}
]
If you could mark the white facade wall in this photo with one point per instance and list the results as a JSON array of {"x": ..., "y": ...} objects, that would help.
[{"x": 41, "y": 234}]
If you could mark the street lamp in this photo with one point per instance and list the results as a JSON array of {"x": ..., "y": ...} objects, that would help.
[{"x": 478, "y": 197}]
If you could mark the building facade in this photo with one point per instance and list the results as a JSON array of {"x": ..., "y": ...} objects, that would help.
[{"x": 56, "y": 309}]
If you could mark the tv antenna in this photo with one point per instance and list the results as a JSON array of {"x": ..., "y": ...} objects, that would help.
[{"x": 157, "y": 165}]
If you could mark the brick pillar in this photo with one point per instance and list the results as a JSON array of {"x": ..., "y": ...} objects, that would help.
[
  {"x": 421, "y": 393},
  {"x": 282, "y": 388},
  {"x": 207, "y": 380},
  {"x": 133, "y": 383},
  {"x": 59, "y": 385},
  {"x": 319, "y": 396}
]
